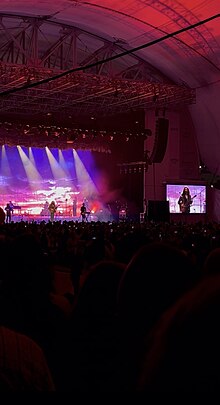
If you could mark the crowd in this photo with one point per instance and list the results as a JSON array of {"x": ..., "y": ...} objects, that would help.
[{"x": 141, "y": 313}]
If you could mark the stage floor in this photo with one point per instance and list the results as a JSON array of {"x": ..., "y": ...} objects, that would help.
[{"x": 46, "y": 218}]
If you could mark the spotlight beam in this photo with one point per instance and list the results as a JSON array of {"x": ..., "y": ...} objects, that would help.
[{"x": 32, "y": 173}]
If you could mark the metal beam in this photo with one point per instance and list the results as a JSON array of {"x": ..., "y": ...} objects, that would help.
[{"x": 34, "y": 43}]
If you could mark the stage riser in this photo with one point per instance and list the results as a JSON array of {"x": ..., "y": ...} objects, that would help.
[{"x": 39, "y": 218}]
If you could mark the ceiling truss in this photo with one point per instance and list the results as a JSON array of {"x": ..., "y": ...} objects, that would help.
[{"x": 32, "y": 49}]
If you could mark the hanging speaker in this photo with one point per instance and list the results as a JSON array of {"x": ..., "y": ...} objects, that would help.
[{"x": 160, "y": 142}]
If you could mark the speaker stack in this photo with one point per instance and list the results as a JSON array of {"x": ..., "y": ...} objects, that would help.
[{"x": 160, "y": 142}]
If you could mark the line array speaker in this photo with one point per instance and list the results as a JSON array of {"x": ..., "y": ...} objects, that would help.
[{"x": 160, "y": 142}]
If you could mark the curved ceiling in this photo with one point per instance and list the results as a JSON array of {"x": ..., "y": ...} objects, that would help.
[{"x": 171, "y": 46}]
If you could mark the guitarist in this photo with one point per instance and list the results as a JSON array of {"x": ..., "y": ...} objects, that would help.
[
  {"x": 52, "y": 208},
  {"x": 185, "y": 201}
]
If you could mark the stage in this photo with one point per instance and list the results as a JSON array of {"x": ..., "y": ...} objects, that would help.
[{"x": 46, "y": 218}]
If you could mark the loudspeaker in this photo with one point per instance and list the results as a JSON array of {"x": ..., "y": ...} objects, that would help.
[
  {"x": 160, "y": 142},
  {"x": 158, "y": 211}
]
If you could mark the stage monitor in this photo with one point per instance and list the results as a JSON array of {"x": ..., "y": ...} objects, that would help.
[{"x": 198, "y": 196}]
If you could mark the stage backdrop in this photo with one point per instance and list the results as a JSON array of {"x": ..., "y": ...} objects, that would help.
[{"x": 32, "y": 177}]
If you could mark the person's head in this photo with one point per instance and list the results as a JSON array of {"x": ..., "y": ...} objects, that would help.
[
  {"x": 186, "y": 190},
  {"x": 212, "y": 262},
  {"x": 185, "y": 352},
  {"x": 157, "y": 275},
  {"x": 98, "y": 293}
]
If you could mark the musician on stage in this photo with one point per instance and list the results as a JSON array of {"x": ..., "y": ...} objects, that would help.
[
  {"x": 8, "y": 211},
  {"x": 52, "y": 208},
  {"x": 83, "y": 212},
  {"x": 11, "y": 206},
  {"x": 185, "y": 201}
]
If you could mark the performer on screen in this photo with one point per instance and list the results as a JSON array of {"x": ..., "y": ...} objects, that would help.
[
  {"x": 185, "y": 201},
  {"x": 52, "y": 208}
]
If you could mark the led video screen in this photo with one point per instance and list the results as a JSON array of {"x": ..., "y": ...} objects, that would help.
[{"x": 195, "y": 205}]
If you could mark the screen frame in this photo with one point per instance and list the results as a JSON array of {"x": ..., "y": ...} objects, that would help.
[{"x": 198, "y": 193}]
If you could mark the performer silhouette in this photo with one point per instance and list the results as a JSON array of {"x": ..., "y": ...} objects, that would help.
[
  {"x": 52, "y": 208},
  {"x": 83, "y": 212},
  {"x": 8, "y": 210}
]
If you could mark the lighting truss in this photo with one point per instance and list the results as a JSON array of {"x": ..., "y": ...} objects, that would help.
[{"x": 33, "y": 49}]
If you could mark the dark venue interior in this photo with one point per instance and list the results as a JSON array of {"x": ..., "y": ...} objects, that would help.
[{"x": 109, "y": 196}]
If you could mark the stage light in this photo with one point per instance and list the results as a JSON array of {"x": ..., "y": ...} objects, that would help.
[{"x": 31, "y": 171}]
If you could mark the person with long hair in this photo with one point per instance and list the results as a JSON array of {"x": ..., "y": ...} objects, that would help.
[
  {"x": 52, "y": 208},
  {"x": 185, "y": 201}
]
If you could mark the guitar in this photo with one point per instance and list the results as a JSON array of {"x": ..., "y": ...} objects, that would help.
[
  {"x": 57, "y": 207},
  {"x": 185, "y": 206},
  {"x": 53, "y": 208}
]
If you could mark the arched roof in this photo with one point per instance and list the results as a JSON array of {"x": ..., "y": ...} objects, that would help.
[{"x": 177, "y": 51}]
